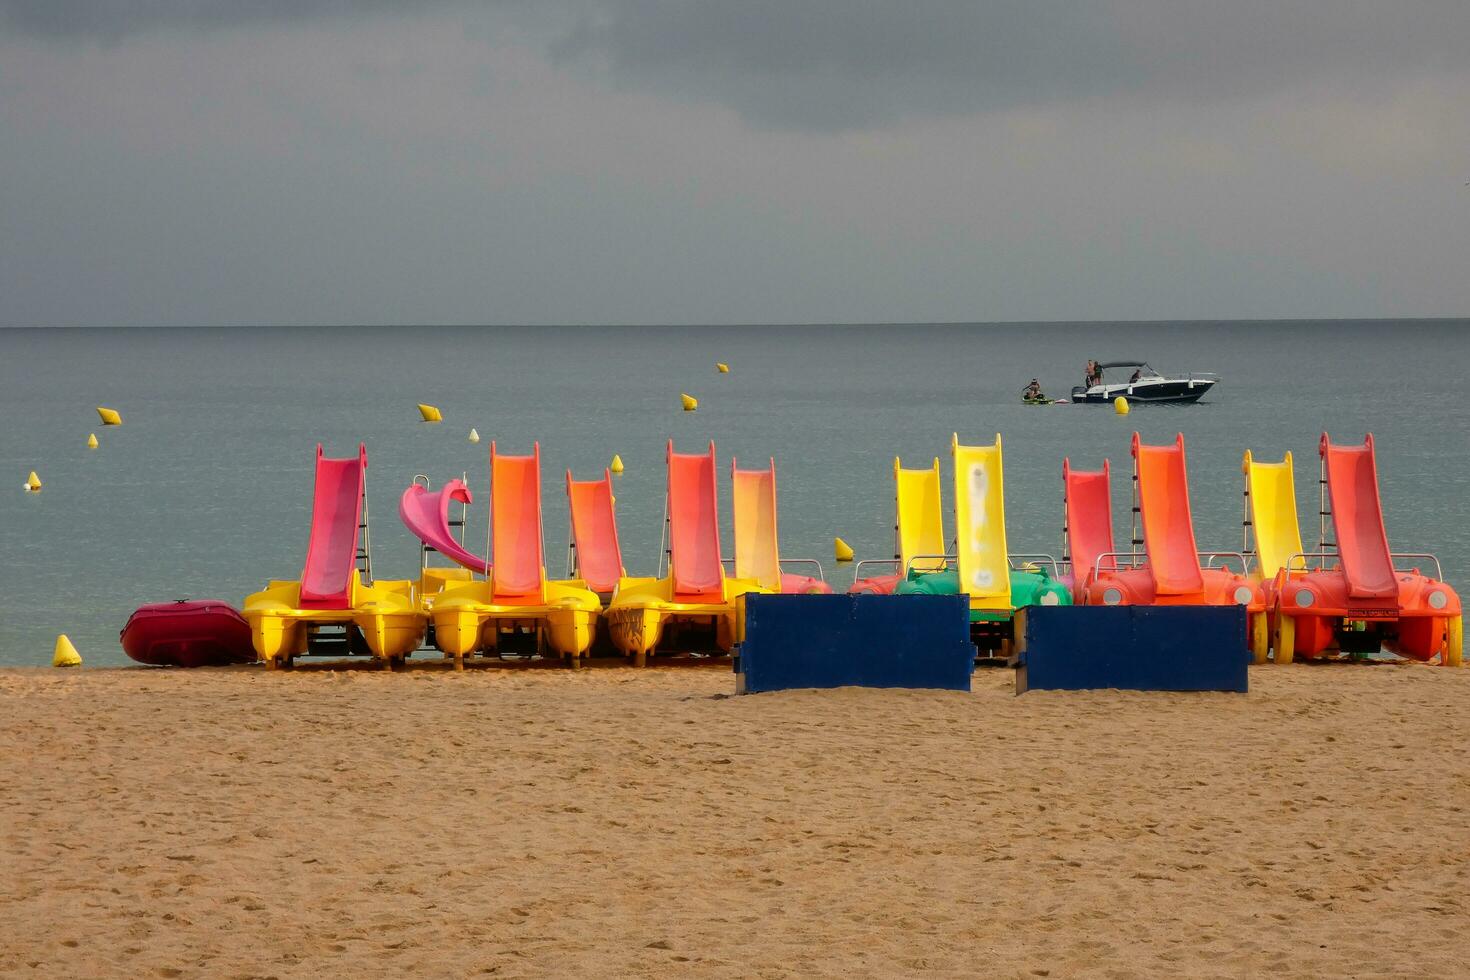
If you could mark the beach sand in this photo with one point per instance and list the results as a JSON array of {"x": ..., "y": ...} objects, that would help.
[{"x": 623, "y": 822}]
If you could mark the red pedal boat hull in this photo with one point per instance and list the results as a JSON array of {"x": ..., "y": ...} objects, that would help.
[{"x": 194, "y": 633}]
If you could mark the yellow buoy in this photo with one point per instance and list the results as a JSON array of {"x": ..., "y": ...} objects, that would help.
[
  {"x": 690, "y": 402},
  {"x": 33, "y": 483},
  {"x": 92, "y": 441},
  {"x": 430, "y": 413},
  {"x": 617, "y": 464},
  {"x": 722, "y": 367},
  {"x": 474, "y": 435},
  {"x": 1120, "y": 405},
  {"x": 109, "y": 416},
  {"x": 841, "y": 549},
  {"x": 65, "y": 654}
]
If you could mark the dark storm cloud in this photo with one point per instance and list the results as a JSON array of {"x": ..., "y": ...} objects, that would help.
[
  {"x": 836, "y": 63},
  {"x": 843, "y": 62},
  {"x": 627, "y": 161}
]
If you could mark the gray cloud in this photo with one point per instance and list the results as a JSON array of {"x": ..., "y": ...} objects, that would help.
[
  {"x": 431, "y": 163},
  {"x": 839, "y": 63},
  {"x": 849, "y": 62},
  {"x": 836, "y": 64},
  {"x": 113, "y": 19}
]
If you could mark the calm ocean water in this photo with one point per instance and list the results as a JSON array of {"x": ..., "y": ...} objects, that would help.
[{"x": 205, "y": 491}]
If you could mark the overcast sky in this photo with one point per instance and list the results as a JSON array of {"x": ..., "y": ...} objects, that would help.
[{"x": 718, "y": 161}]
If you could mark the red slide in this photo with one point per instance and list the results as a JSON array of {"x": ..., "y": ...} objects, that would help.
[
  {"x": 1168, "y": 531},
  {"x": 694, "y": 528},
  {"x": 1089, "y": 514},
  {"x": 1362, "y": 542},
  {"x": 595, "y": 532},
  {"x": 336, "y": 512},
  {"x": 1406, "y": 612},
  {"x": 515, "y": 511}
]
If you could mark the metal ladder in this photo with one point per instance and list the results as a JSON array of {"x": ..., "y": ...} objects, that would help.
[
  {"x": 424, "y": 547},
  {"x": 364, "y": 559}
]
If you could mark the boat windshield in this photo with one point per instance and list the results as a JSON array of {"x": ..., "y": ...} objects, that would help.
[{"x": 1127, "y": 369}]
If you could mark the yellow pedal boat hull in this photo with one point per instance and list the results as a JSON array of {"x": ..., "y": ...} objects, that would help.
[
  {"x": 385, "y": 613},
  {"x": 467, "y": 619},
  {"x": 641, "y": 614}
]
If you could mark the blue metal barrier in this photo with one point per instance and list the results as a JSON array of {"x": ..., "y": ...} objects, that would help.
[
  {"x": 790, "y": 641},
  {"x": 1136, "y": 648}
]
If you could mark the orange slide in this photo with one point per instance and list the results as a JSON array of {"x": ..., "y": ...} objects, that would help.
[
  {"x": 1163, "y": 507},
  {"x": 517, "y": 603},
  {"x": 596, "y": 557},
  {"x": 1170, "y": 573},
  {"x": 517, "y": 558}
]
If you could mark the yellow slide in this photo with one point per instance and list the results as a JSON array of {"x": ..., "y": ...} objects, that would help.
[
  {"x": 1272, "y": 490},
  {"x": 920, "y": 518},
  {"x": 980, "y": 523}
]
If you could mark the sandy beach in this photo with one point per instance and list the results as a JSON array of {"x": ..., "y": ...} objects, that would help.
[{"x": 616, "y": 822}]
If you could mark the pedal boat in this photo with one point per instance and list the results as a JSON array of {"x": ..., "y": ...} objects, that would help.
[
  {"x": 377, "y": 618},
  {"x": 1360, "y": 599},
  {"x": 692, "y": 608},
  {"x": 381, "y": 620},
  {"x": 1168, "y": 572},
  {"x": 517, "y": 598},
  {"x": 997, "y": 582}
]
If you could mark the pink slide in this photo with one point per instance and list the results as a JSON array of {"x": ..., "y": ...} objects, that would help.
[
  {"x": 427, "y": 516},
  {"x": 336, "y": 512},
  {"x": 515, "y": 513},
  {"x": 1163, "y": 505},
  {"x": 1357, "y": 515},
  {"x": 694, "y": 528},
  {"x": 1089, "y": 515},
  {"x": 595, "y": 532}
]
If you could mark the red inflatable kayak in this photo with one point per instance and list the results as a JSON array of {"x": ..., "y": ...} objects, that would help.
[{"x": 188, "y": 633}]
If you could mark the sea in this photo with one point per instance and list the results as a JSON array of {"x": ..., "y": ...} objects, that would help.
[{"x": 205, "y": 489}]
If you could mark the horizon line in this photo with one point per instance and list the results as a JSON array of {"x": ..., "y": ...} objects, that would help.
[{"x": 1304, "y": 318}]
